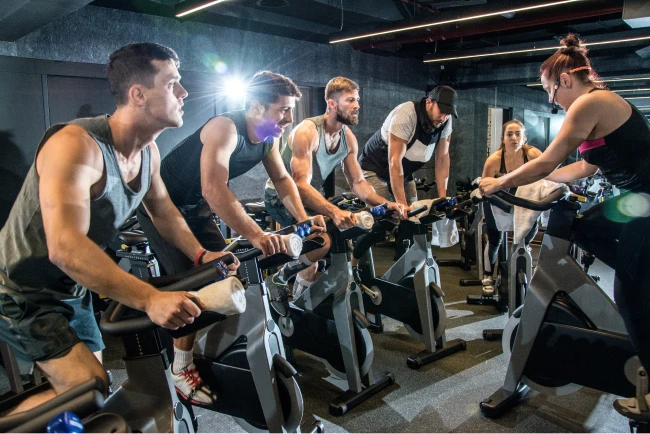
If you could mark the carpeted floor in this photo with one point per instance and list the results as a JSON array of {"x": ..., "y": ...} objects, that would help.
[{"x": 440, "y": 397}]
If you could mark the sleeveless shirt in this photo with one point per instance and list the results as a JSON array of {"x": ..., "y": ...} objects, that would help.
[
  {"x": 24, "y": 258},
  {"x": 181, "y": 168},
  {"x": 623, "y": 155},
  {"x": 323, "y": 162}
]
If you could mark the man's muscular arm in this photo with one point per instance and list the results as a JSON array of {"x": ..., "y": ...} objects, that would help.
[
  {"x": 304, "y": 143},
  {"x": 69, "y": 165},
  {"x": 284, "y": 184},
  {"x": 219, "y": 138},
  {"x": 396, "y": 152},
  {"x": 166, "y": 217},
  {"x": 442, "y": 166},
  {"x": 354, "y": 175}
]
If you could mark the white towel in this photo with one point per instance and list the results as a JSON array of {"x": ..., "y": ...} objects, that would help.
[
  {"x": 444, "y": 233},
  {"x": 226, "y": 297},
  {"x": 504, "y": 221},
  {"x": 526, "y": 218}
]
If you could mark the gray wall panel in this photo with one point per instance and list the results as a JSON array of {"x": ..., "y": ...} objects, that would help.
[{"x": 22, "y": 124}]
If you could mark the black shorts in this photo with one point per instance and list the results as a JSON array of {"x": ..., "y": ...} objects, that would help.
[{"x": 39, "y": 325}]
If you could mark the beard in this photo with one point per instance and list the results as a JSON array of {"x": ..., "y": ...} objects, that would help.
[{"x": 346, "y": 120}]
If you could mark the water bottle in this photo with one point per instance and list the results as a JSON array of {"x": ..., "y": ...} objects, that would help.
[{"x": 66, "y": 422}]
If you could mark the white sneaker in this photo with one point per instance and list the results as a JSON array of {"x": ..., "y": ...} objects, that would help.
[
  {"x": 488, "y": 286},
  {"x": 190, "y": 387}
]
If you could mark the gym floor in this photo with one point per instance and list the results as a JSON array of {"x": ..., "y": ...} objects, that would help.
[{"x": 440, "y": 397}]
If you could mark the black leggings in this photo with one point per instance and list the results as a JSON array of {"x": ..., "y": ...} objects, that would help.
[
  {"x": 597, "y": 232},
  {"x": 495, "y": 238}
]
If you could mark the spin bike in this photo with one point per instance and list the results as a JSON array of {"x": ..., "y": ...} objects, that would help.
[
  {"x": 328, "y": 321},
  {"x": 409, "y": 291},
  {"x": 242, "y": 359},
  {"x": 147, "y": 401},
  {"x": 568, "y": 333},
  {"x": 514, "y": 271}
]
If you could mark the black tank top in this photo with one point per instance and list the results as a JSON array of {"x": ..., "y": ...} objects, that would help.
[
  {"x": 503, "y": 169},
  {"x": 374, "y": 156},
  {"x": 181, "y": 168},
  {"x": 623, "y": 156}
]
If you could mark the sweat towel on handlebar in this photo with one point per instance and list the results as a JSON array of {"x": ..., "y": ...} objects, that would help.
[
  {"x": 226, "y": 297},
  {"x": 526, "y": 218},
  {"x": 444, "y": 233}
]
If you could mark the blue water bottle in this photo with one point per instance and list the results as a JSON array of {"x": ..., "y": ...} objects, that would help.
[{"x": 67, "y": 422}]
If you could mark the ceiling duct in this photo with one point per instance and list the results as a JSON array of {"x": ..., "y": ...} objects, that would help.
[{"x": 636, "y": 13}]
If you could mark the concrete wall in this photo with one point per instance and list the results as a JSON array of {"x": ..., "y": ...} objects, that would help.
[{"x": 92, "y": 33}]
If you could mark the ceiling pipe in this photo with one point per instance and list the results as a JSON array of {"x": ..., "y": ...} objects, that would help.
[{"x": 498, "y": 24}]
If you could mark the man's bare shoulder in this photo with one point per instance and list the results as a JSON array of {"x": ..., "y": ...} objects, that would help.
[
  {"x": 219, "y": 131},
  {"x": 75, "y": 143},
  {"x": 304, "y": 137}
]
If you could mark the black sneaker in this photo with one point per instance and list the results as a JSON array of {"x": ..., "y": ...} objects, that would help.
[{"x": 278, "y": 295}]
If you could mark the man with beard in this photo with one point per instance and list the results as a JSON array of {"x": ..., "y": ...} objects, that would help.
[
  {"x": 315, "y": 147},
  {"x": 407, "y": 139},
  {"x": 196, "y": 173}
]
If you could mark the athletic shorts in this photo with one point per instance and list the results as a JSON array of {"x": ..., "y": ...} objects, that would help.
[{"x": 39, "y": 326}]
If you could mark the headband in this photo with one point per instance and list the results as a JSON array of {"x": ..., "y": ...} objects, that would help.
[{"x": 580, "y": 68}]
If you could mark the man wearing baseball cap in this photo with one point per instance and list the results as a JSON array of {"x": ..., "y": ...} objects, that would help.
[{"x": 409, "y": 137}]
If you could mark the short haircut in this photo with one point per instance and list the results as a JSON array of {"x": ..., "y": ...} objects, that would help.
[
  {"x": 131, "y": 65},
  {"x": 338, "y": 85},
  {"x": 267, "y": 87}
]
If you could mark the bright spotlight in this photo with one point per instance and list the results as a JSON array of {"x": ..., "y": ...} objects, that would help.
[{"x": 234, "y": 88}]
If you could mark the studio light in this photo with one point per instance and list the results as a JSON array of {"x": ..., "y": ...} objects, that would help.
[
  {"x": 528, "y": 50},
  {"x": 457, "y": 20},
  {"x": 189, "y": 6}
]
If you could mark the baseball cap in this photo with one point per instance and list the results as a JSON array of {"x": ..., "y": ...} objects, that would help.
[{"x": 446, "y": 98}]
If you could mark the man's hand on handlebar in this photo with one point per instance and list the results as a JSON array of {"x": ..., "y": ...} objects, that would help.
[
  {"x": 399, "y": 210},
  {"x": 318, "y": 224},
  {"x": 173, "y": 310},
  {"x": 233, "y": 264},
  {"x": 344, "y": 219},
  {"x": 489, "y": 186},
  {"x": 269, "y": 244}
]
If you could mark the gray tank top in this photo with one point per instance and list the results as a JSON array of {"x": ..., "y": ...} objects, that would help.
[
  {"x": 24, "y": 260},
  {"x": 323, "y": 163}
]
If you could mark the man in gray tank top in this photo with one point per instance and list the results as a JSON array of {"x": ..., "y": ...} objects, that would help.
[
  {"x": 87, "y": 178},
  {"x": 315, "y": 147}
]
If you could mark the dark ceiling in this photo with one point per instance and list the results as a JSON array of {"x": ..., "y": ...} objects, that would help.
[{"x": 322, "y": 21}]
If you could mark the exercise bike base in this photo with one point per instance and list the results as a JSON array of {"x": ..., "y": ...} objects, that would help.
[
  {"x": 493, "y": 334},
  {"x": 502, "y": 401},
  {"x": 315, "y": 427},
  {"x": 487, "y": 301},
  {"x": 454, "y": 263},
  {"x": 349, "y": 399},
  {"x": 425, "y": 357},
  {"x": 471, "y": 282}
]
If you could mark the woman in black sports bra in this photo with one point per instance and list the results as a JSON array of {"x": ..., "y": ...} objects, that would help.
[
  {"x": 613, "y": 136},
  {"x": 513, "y": 144}
]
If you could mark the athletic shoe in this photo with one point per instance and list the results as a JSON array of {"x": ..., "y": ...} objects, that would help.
[
  {"x": 190, "y": 387},
  {"x": 629, "y": 407},
  {"x": 488, "y": 286},
  {"x": 278, "y": 294}
]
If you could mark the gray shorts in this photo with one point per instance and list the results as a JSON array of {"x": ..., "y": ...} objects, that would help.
[
  {"x": 40, "y": 326},
  {"x": 383, "y": 188}
]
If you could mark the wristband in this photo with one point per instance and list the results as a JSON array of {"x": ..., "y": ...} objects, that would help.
[{"x": 198, "y": 259}]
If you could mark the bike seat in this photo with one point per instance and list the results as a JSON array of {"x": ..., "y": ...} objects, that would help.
[
  {"x": 255, "y": 207},
  {"x": 131, "y": 238}
]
